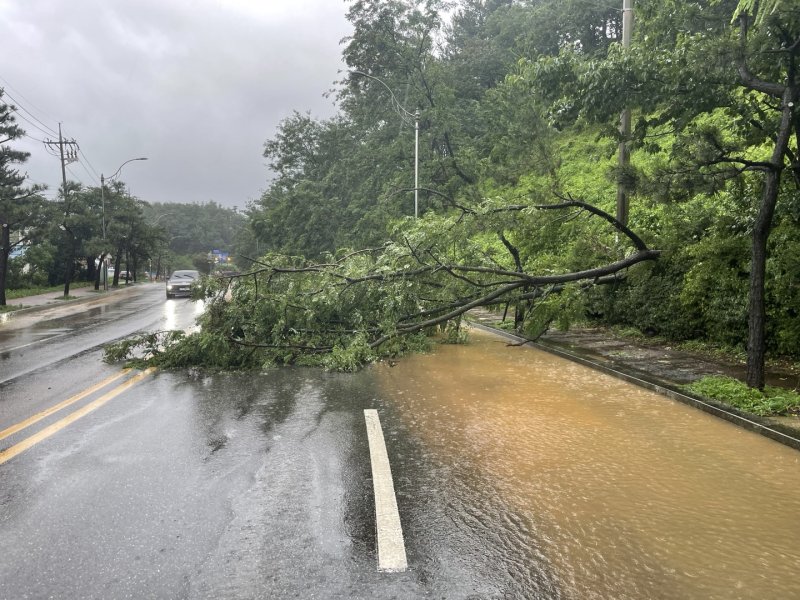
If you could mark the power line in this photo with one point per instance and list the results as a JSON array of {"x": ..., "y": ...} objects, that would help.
[
  {"x": 96, "y": 176},
  {"x": 33, "y": 138},
  {"x": 50, "y": 131},
  {"x": 93, "y": 174},
  {"x": 78, "y": 179},
  {"x": 96, "y": 180},
  {"x": 27, "y": 120}
]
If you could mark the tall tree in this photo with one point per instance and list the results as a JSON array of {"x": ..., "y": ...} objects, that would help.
[
  {"x": 728, "y": 94},
  {"x": 767, "y": 63},
  {"x": 20, "y": 207}
]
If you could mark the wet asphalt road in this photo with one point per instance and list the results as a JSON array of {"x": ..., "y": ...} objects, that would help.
[
  {"x": 189, "y": 485},
  {"x": 517, "y": 475}
]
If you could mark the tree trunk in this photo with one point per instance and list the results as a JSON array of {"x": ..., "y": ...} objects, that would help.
[
  {"x": 99, "y": 271},
  {"x": 117, "y": 263},
  {"x": 5, "y": 251},
  {"x": 91, "y": 268},
  {"x": 69, "y": 263},
  {"x": 757, "y": 312}
]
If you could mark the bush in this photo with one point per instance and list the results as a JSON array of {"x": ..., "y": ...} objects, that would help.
[{"x": 771, "y": 402}]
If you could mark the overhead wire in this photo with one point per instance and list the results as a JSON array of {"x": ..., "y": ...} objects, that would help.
[
  {"x": 27, "y": 135},
  {"x": 71, "y": 172},
  {"x": 27, "y": 120},
  {"x": 19, "y": 104},
  {"x": 92, "y": 177},
  {"x": 96, "y": 176},
  {"x": 44, "y": 128}
]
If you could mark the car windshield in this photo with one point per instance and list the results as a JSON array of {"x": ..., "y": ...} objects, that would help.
[{"x": 185, "y": 275}]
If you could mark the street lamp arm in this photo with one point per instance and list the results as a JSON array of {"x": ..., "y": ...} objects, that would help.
[
  {"x": 103, "y": 188},
  {"x": 395, "y": 101},
  {"x": 125, "y": 163},
  {"x": 404, "y": 115},
  {"x": 161, "y": 216}
]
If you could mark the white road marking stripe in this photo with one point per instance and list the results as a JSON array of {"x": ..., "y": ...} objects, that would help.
[
  {"x": 391, "y": 548},
  {"x": 39, "y": 341}
]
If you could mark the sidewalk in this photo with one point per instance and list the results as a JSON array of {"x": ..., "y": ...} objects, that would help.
[{"x": 79, "y": 295}]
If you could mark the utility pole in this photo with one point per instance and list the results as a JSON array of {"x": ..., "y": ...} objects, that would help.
[
  {"x": 624, "y": 155},
  {"x": 67, "y": 153},
  {"x": 416, "y": 163}
]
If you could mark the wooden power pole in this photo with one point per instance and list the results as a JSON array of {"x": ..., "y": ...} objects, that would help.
[{"x": 67, "y": 153}]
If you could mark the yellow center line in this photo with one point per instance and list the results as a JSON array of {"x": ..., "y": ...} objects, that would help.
[
  {"x": 57, "y": 407},
  {"x": 45, "y": 433}
]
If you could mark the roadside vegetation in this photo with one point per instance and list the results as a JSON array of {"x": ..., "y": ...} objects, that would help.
[
  {"x": 35, "y": 291},
  {"x": 771, "y": 401},
  {"x": 523, "y": 206}
]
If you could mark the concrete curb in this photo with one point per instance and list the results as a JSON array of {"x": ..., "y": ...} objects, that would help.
[{"x": 732, "y": 416}]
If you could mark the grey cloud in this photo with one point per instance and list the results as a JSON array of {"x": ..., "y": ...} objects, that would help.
[{"x": 197, "y": 87}]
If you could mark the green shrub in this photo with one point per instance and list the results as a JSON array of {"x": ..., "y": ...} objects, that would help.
[{"x": 771, "y": 402}]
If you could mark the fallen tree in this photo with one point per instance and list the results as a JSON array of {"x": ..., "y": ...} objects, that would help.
[{"x": 357, "y": 306}]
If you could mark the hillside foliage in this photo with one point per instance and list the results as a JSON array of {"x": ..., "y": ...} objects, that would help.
[{"x": 518, "y": 107}]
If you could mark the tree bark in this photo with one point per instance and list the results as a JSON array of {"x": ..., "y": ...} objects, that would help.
[
  {"x": 69, "y": 262},
  {"x": 757, "y": 312},
  {"x": 99, "y": 271},
  {"x": 117, "y": 263},
  {"x": 5, "y": 252},
  {"x": 787, "y": 94}
]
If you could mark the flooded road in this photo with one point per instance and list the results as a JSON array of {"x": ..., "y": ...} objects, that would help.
[
  {"x": 517, "y": 475},
  {"x": 586, "y": 486}
]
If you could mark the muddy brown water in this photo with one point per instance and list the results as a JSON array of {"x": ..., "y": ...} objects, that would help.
[{"x": 631, "y": 495}]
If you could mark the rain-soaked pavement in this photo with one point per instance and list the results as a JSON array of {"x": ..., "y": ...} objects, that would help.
[{"x": 518, "y": 475}]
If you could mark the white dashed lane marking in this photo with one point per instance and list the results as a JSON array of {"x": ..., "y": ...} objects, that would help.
[{"x": 391, "y": 547}]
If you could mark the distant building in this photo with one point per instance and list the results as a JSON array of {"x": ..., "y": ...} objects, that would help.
[{"x": 18, "y": 249}]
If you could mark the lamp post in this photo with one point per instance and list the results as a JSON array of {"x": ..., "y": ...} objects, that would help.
[
  {"x": 103, "y": 208},
  {"x": 404, "y": 114}
]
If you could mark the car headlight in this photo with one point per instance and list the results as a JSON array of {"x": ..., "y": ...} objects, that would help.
[{"x": 169, "y": 286}]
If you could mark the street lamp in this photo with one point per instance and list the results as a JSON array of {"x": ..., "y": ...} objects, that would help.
[
  {"x": 103, "y": 185},
  {"x": 404, "y": 115},
  {"x": 103, "y": 207}
]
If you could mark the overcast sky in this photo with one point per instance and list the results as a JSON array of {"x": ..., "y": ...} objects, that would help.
[{"x": 196, "y": 86}]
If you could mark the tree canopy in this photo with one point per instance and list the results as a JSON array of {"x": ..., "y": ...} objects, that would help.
[
  {"x": 23, "y": 212},
  {"x": 518, "y": 106}
]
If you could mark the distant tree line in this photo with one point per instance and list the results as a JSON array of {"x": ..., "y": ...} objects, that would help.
[{"x": 45, "y": 243}]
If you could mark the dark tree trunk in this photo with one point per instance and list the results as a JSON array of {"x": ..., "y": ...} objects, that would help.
[
  {"x": 69, "y": 262},
  {"x": 757, "y": 312},
  {"x": 117, "y": 263},
  {"x": 787, "y": 94},
  {"x": 91, "y": 268},
  {"x": 5, "y": 251},
  {"x": 99, "y": 271}
]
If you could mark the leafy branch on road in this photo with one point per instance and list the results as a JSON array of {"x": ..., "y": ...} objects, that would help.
[{"x": 354, "y": 307}]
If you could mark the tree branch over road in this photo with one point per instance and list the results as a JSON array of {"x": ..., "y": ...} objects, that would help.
[{"x": 356, "y": 306}]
